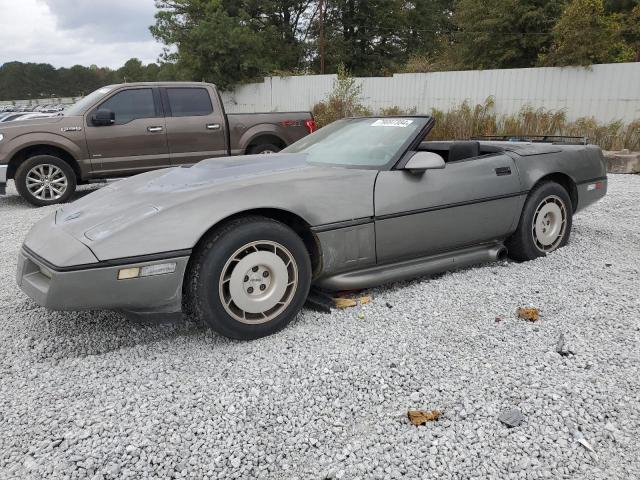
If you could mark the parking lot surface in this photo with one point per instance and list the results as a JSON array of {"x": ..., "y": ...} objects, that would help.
[{"x": 94, "y": 395}]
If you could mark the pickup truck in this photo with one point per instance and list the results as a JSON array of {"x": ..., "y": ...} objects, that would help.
[{"x": 122, "y": 130}]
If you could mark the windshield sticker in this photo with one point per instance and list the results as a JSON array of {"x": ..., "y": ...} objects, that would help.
[{"x": 392, "y": 122}]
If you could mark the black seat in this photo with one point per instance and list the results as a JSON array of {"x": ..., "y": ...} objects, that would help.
[{"x": 463, "y": 150}]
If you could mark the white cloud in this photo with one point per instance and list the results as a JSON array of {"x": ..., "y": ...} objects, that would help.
[{"x": 71, "y": 32}]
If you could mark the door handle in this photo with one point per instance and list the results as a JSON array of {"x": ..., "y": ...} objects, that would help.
[
  {"x": 213, "y": 126},
  {"x": 154, "y": 129}
]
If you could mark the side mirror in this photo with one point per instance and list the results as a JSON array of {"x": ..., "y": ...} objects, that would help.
[
  {"x": 421, "y": 161},
  {"x": 103, "y": 117}
]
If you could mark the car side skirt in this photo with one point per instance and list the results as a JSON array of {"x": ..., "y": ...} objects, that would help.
[{"x": 391, "y": 272}]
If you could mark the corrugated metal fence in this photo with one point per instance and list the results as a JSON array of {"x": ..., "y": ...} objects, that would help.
[{"x": 607, "y": 92}]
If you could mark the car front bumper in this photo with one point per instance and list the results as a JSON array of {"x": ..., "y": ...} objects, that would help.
[{"x": 97, "y": 287}]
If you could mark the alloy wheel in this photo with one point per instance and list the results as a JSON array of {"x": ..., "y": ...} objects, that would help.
[
  {"x": 258, "y": 282},
  {"x": 549, "y": 224},
  {"x": 46, "y": 182}
]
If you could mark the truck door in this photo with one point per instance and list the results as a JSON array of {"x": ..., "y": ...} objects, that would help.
[
  {"x": 195, "y": 124},
  {"x": 136, "y": 140}
]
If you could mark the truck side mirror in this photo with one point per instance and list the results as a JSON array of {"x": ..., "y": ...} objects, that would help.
[
  {"x": 421, "y": 161},
  {"x": 103, "y": 117}
]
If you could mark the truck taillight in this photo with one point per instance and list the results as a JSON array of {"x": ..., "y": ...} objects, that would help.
[{"x": 311, "y": 125}]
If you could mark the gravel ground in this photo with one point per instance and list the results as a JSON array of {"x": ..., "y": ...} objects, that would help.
[{"x": 92, "y": 395}]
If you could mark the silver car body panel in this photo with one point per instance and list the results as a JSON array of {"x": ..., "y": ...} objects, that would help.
[
  {"x": 370, "y": 225},
  {"x": 172, "y": 208},
  {"x": 464, "y": 204},
  {"x": 99, "y": 288}
]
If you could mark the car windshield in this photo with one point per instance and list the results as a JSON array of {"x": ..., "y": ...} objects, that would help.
[
  {"x": 81, "y": 105},
  {"x": 360, "y": 142}
]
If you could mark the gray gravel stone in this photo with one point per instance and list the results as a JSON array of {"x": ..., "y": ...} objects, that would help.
[
  {"x": 512, "y": 417},
  {"x": 328, "y": 396}
]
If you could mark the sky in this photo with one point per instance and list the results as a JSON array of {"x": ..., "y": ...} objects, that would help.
[{"x": 77, "y": 32}]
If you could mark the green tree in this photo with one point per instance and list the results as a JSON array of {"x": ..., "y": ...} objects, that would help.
[
  {"x": 227, "y": 41},
  {"x": 26, "y": 81},
  {"x": 630, "y": 31},
  {"x": 378, "y": 37},
  {"x": 500, "y": 33},
  {"x": 133, "y": 71},
  {"x": 585, "y": 35}
]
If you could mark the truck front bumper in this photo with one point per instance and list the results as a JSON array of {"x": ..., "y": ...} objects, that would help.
[
  {"x": 97, "y": 287},
  {"x": 3, "y": 179}
]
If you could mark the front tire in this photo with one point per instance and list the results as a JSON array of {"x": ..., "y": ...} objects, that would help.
[
  {"x": 45, "y": 180},
  {"x": 545, "y": 223},
  {"x": 249, "y": 279}
]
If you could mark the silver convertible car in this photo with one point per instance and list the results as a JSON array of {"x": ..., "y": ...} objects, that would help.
[{"x": 238, "y": 242}]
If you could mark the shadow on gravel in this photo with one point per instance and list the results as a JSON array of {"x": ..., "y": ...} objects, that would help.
[
  {"x": 45, "y": 335},
  {"x": 13, "y": 200}
]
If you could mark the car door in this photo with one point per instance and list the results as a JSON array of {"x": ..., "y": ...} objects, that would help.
[
  {"x": 136, "y": 141},
  {"x": 195, "y": 128},
  {"x": 468, "y": 202}
]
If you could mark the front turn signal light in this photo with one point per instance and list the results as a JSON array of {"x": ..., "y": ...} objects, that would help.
[
  {"x": 146, "y": 271},
  {"x": 127, "y": 273}
]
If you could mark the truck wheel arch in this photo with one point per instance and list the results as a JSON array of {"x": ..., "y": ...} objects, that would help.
[
  {"x": 265, "y": 139},
  {"x": 42, "y": 149}
]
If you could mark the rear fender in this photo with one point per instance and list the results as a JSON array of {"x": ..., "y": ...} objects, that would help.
[{"x": 259, "y": 130}]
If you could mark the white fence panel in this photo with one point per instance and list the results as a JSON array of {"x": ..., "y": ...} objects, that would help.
[{"x": 607, "y": 92}]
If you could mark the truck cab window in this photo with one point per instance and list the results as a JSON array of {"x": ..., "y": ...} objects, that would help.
[
  {"x": 189, "y": 102},
  {"x": 131, "y": 104}
]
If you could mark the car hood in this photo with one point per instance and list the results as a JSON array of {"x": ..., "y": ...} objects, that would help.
[
  {"x": 161, "y": 189},
  {"x": 171, "y": 209}
]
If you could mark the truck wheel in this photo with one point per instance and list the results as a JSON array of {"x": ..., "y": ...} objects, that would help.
[
  {"x": 249, "y": 279},
  {"x": 45, "y": 180},
  {"x": 265, "y": 148},
  {"x": 545, "y": 223}
]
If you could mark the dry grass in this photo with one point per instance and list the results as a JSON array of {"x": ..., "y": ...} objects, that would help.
[
  {"x": 344, "y": 101},
  {"x": 395, "y": 110},
  {"x": 466, "y": 122}
]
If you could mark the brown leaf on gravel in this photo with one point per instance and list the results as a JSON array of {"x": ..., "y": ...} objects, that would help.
[
  {"x": 421, "y": 417},
  {"x": 530, "y": 314}
]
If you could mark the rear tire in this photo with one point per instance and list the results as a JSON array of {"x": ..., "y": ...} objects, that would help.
[
  {"x": 249, "y": 278},
  {"x": 545, "y": 223},
  {"x": 265, "y": 148},
  {"x": 45, "y": 180}
]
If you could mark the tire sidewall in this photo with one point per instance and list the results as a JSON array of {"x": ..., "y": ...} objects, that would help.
[
  {"x": 264, "y": 147},
  {"x": 20, "y": 179},
  {"x": 531, "y": 205},
  {"x": 213, "y": 261}
]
